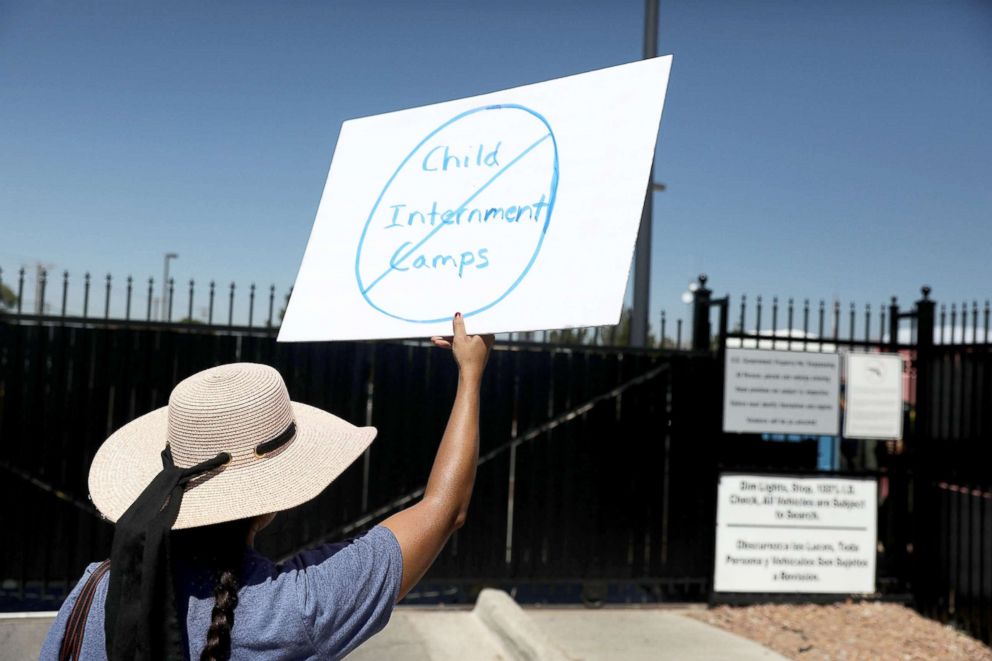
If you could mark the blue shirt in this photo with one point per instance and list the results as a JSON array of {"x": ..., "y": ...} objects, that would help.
[{"x": 321, "y": 604}]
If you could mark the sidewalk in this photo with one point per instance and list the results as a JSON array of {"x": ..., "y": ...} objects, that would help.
[
  {"x": 643, "y": 634},
  {"x": 497, "y": 629}
]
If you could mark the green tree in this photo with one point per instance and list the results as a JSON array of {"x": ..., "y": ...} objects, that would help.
[{"x": 8, "y": 299}]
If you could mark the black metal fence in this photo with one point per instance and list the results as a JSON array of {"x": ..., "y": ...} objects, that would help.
[
  {"x": 935, "y": 518},
  {"x": 598, "y": 464},
  {"x": 243, "y": 309},
  {"x": 558, "y": 424}
]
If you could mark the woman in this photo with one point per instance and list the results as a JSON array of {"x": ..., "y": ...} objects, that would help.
[{"x": 228, "y": 452}]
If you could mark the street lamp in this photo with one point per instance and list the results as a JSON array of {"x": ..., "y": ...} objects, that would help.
[
  {"x": 165, "y": 283},
  {"x": 642, "y": 248}
]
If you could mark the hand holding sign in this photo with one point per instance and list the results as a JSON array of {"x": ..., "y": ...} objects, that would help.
[
  {"x": 471, "y": 351},
  {"x": 518, "y": 207}
]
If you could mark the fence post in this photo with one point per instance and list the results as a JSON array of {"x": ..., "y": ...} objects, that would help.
[
  {"x": 701, "y": 316},
  {"x": 925, "y": 514},
  {"x": 924, "y": 359}
]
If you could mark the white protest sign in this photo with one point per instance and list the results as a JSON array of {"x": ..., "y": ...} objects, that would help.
[
  {"x": 781, "y": 392},
  {"x": 518, "y": 209},
  {"x": 778, "y": 533},
  {"x": 873, "y": 406}
]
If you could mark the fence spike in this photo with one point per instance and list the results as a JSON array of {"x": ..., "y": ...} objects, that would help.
[
  {"x": 678, "y": 335},
  {"x": 757, "y": 323},
  {"x": 867, "y": 323},
  {"x": 661, "y": 342},
  {"x": 974, "y": 321},
  {"x": 106, "y": 300},
  {"x": 986, "y": 321},
  {"x": 774, "y": 320},
  {"x": 743, "y": 311},
  {"x": 822, "y": 312},
  {"x": 20, "y": 290},
  {"x": 189, "y": 314},
  {"x": 151, "y": 285},
  {"x": 251, "y": 304},
  {"x": 65, "y": 290},
  {"x": 210, "y": 307},
  {"x": 272, "y": 298},
  {"x": 964, "y": 320},
  {"x": 42, "y": 281},
  {"x": 230, "y": 307},
  {"x": 943, "y": 320},
  {"x": 172, "y": 290},
  {"x": 805, "y": 321},
  {"x": 954, "y": 320},
  {"x": 788, "y": 331},
  {"x": 894, "y": 322},
  {"x": 851, "y": 329},
  {"x": 127, "y": 303},
  {"x": 881, "y": 323},
  {"x": 86, "y": 294}
]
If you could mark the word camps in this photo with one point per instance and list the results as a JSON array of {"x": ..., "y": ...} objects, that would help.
[{"x": 441, "y": 159}]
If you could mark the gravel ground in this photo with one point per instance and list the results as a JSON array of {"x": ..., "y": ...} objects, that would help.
[{"x": 846, "y": 631}]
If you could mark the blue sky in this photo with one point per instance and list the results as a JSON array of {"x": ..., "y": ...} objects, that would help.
[{"x": 809, "y": 149}]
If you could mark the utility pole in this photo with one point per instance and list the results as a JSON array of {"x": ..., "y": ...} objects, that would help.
[
  {"x": 165, "y": 283},
  {"x": 642, "y": 251}
]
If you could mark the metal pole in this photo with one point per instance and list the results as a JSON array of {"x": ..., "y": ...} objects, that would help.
[
  {"x": 165, "y": 282},
  {"x": 642, "y": 251}
]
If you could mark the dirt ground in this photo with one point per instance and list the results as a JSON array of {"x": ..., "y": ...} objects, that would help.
[{"x": 846, "y": 631}]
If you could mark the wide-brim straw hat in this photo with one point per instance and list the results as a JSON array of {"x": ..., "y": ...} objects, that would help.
[{"x": 232, "y": 408}]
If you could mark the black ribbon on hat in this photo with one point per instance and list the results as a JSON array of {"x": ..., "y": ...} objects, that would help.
[{"x": 141, "y": 621}]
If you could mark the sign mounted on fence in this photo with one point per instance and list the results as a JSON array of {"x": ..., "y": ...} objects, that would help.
[
  {"x": 781, "y": 392},
  {"x": 517, "y": 208},
  {"x": 777, "y": 533},
  {"x": 873, "y": 405}
]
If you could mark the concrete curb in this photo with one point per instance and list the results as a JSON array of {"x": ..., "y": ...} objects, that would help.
[{"x": 515, "y": 630}]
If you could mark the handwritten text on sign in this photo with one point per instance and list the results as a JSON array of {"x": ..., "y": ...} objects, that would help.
[
  {"x": 795, "y": 534},
  {"x": 415, "y": 245},
  {"x": 785, "y": 392}
]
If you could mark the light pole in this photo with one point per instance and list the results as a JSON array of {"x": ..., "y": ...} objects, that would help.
[
  {"x": 642, "y": 250},
  {"x": 165, "y": 283}
]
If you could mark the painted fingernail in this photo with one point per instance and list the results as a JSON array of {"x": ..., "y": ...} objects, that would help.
[{"x": 458, "y": 314}]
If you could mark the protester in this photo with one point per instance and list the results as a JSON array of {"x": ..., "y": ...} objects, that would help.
[{"x": 214, "y": 466}]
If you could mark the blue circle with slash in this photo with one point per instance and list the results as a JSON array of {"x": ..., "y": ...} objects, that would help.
[{"x": 363, "y": 288}]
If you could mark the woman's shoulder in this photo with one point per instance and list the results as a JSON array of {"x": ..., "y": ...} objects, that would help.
[
  {"x": 96, "y": 572},
  {"x": 345, "y": 591}
]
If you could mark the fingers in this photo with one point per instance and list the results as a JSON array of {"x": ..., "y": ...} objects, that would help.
[
  {"x": 441, "y": 342},
  {"x": 458, "y": 324}
]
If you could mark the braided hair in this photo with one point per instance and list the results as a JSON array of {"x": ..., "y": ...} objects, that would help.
[
  {"x": 218, "y": 646},
  {"x": 220, "y": 549}
]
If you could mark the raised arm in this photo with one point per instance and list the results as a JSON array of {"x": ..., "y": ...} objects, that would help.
[{"x": 423, "y": 529}]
